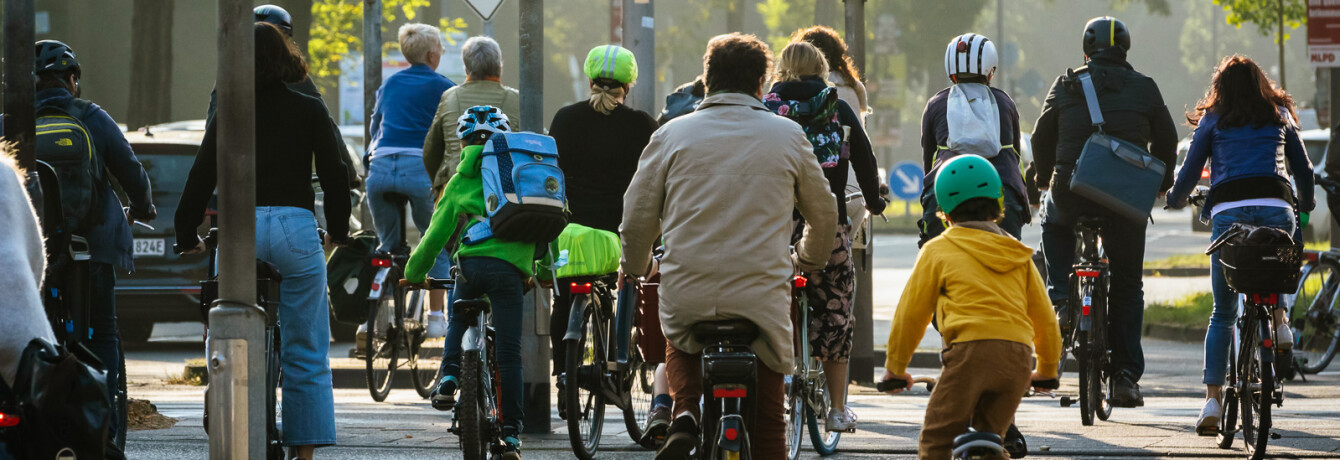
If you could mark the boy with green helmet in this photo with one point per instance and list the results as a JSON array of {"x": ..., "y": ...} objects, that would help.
[{"x": 992, "y": 307}]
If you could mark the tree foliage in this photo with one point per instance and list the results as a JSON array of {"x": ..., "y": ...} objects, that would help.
[
  {"x": 1265, "y": 14},
  {"x": 337, "y": 30}
]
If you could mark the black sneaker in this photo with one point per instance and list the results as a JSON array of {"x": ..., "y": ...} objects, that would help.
[
  {"x": 444, "y": 396},
  {"x": 562, "y": 398},
  {"x": 1015, "y": 443},
  {"x": 511, "y": 447},
  {"x": 658, "y": 424},
  {"x": 681, "y": 440},
  {"x": 1125, "y": 392}
]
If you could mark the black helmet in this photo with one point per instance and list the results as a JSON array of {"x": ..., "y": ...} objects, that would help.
[
  {"x": 275, "y": 15},
  {"x": 1105, "y": 32},
  {"x": 54, "y": 56}
]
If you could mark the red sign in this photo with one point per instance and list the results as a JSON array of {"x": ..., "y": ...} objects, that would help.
[{"x": 1323, "y": 33}]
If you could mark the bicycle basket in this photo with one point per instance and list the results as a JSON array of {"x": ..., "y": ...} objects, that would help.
[{"x": 1262, "y": 268}]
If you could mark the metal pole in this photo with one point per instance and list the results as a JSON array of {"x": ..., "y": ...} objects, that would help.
[
  {"x": 236, "y": 342},
  {"x": 863, "y": 351},
  {"x": 855, "y": 21},
  {"x": 488, "y": 28},
  {"x": 1000, "y": 42},
  {"x": 639, "y": 36},
  {"x": 20, "y": 121},
  {"x": 535, "y": 320},
  {"x": 372, "y": 63}
]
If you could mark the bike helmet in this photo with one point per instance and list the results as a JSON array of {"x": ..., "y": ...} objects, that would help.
[
  {"x": 54, "y": 56},
  {"x": 611, "y": 62},
  {"x": 481, "y": 119},
  {"x": 963, "y": 178},
  {"x": 971, "y": 54},
  {"x": 276, "y": 15},
  {"x": 1105, "y": 32}
]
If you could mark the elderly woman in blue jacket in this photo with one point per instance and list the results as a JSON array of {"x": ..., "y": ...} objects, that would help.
[{"x": 1259, "y": 175}]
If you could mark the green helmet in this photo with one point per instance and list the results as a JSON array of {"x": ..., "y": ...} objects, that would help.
[
  {"x": 963, "y": 178},
  {"x": 613, "y": 62}
]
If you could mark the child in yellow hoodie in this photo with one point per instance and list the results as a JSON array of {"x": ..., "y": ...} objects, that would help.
[{"x": 992, "y": 310}]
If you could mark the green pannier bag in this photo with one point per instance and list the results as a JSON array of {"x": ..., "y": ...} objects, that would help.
[{"x": 582, "y": 251}]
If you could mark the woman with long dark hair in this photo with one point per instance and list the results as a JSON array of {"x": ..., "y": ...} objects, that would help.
[
  {"x": 292, "y": 130},
  {"x": 1246, "y": 128}
]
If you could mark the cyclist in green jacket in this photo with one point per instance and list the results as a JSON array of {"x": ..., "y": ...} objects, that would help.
[{"x": 494, "y": 267}]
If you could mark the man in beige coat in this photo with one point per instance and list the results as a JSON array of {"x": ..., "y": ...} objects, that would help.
[
  {"x": 719, "y": 185},
  {"x": 483, "y": 70}
]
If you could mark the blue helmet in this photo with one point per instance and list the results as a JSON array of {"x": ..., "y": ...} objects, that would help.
[
  {"x": 275, "y": 15},
  {"x": 480, "y": 120},
  {"x": 54, "y": 56}
]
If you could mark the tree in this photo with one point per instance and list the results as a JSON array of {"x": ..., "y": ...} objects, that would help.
[
  {"x": 150, "y": 63},
  {"x": 1269, "y": 16}
]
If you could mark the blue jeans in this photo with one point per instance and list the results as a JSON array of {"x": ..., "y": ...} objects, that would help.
[
  {"x": 1219, "y": 336},
  {"x": 503, "y": 284},
  {"x": 104, "y": 340},
  {"x": 403, "y": 174},
  {"x": 286, "y": 237}
]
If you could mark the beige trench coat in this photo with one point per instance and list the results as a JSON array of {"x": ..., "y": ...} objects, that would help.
[{"x": 720, "y": 185}]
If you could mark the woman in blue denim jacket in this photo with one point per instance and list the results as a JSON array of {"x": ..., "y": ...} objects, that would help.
[{"x": 1247, "y": 129}]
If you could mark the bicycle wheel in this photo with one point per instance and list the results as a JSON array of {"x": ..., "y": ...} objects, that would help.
[
  {"x": 470, "y": 409},
  {"x": 1256, "y": 387},
  {"x": 582, "y": 388},
  {"x": 121, "y": 405},
  {"x": 1228, "y": 411},
  {"x": 425, "y": 354},
  {"x": 1088, "y": 378},
  {"x": 382, "y": 348},
  {"x": 1103, "y": 382},
  {"x": 795, "y": 413},
  {"x": 274, "y": 449},
  {"x": 824, "y": 442},
  {"x": 1314, "y": 319},
  {"x": 637, "y": 382}
]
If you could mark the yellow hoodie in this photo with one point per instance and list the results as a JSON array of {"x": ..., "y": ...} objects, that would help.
[{"x": 982, "y": 285}]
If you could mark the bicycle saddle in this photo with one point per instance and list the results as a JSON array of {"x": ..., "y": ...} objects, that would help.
[
  {"x": 397, "y": 199},
  {"x": 730, "y": 331},
  {"x": 471, "y": 307},
  {"x": 1093, "y": 222}
]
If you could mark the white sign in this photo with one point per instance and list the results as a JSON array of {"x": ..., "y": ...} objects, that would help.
[{"x": 484, "y": 8}]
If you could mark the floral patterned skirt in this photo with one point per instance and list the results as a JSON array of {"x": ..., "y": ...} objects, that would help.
[{"x": 829, "y": 295}]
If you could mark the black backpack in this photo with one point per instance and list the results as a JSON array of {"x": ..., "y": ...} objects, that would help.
[
  {"x": 63, "y": 142},
  {"x": 819, "y": 117},
  {"x": 60, "y": 397},
  {"x": 349, "y": 274}
]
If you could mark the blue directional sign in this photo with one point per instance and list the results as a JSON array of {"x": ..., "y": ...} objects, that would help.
[{"x": 905, "y": 180}]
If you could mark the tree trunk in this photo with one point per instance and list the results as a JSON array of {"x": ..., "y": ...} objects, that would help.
[
  {"x": 150, "y": 63},
  {"x": 735, "y": 16},
  {"x": 1280, "y": 37},
  {"x": 301, "y": 10}
]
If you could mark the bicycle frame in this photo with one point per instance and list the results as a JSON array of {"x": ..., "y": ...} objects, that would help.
[
  {"x": 730, "y": 373},
  {"x": 598, "y": 295}
]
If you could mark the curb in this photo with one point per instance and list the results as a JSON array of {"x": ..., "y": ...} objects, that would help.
[
  {"x": 1177, "y": 272},
  {"x": 1175, "y": 333}
]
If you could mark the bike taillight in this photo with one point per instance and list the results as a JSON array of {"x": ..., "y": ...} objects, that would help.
[
  {"x": 8, "y": 420},
  {"x": 381, "y": 262},
  {"x": 1085, "y": 311},
  {"x": 1086, "y": 273},
  {"x": 580, "y": 288},
  {"x": 720, "y": 393},
  {"x": 732, "y": 433},
  {"x": 799, "y": 282}
]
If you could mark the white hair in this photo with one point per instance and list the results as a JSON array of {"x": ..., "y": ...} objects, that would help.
[
  {"x": 482, "y": 57},
  {"x": 417, "y": 40}
]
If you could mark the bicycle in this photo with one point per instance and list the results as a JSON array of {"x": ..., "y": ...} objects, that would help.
[
  {"x": 596, "y": 373},
  {"x": 268, "y": 281},
  {"x": 1084, "y": 323},
  {"x": 974, "y": 445},
  {"x": 730, "y": 376},
  {"x": 397, "y": 322},
  {"x": 1316, "y": 326},
  {"x": 477, "y": 420},
  {"x": 1262, "y": 272},
  {"x": 807, "y": 387}
]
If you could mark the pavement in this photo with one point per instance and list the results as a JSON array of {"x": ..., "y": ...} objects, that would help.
[{"x": 405, "y": 427}]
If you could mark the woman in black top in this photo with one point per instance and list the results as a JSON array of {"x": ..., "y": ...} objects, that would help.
[
  {"x": 800, "y": 77},
  {"x": 291, "y": 128},
  {"x": 599, "y": 143}
]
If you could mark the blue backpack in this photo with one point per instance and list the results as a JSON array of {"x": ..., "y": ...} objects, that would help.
[{"x": 524, "y": 192}]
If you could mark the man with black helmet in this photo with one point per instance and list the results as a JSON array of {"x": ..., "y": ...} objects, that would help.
[
  {"x": 107, "y": 229},
  {"x": 1134, "y": 111}
]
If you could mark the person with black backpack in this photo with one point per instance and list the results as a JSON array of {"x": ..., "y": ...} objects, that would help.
[
  {"x": 803, "y": 94},
  {"x": 1131, "y": 110},
  {"x": 86, "y": 148}
]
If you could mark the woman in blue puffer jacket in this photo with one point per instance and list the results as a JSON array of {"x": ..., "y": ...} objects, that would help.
[{"x": 1259, "y": 175}]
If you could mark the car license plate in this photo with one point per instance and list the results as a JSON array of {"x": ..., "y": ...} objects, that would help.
[{"x": 149, "y": 247}]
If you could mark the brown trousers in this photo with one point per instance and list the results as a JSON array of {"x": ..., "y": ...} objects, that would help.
[
  {"x": 767, "y": 435},
  {"x": 981, "y": 384}
]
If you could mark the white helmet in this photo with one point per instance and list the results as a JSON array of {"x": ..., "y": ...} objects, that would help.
[{"x": 972, "y": 54}]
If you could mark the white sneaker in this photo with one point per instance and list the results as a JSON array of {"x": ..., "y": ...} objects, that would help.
[
  {"x": 361, "y": 341},
  {"x": 1208, "y": 423},
  {"x": 437, "y": 325},
  {"x": 1283, "y": 337},
  {"x": 843, "y": 420}
]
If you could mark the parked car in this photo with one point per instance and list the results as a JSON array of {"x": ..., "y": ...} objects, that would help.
[{"x": 165, "y": 286}]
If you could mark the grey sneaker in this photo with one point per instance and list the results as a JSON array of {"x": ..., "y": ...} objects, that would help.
[
  {"x": 841, "y": 420},
  {"x": 658, "y": 423},
  {"x": 361, "y": 341},
  {"x": 1283, "y": 337},
  {"x": 437, "y": 326},
  {"x": 1208, "y": 423}
]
